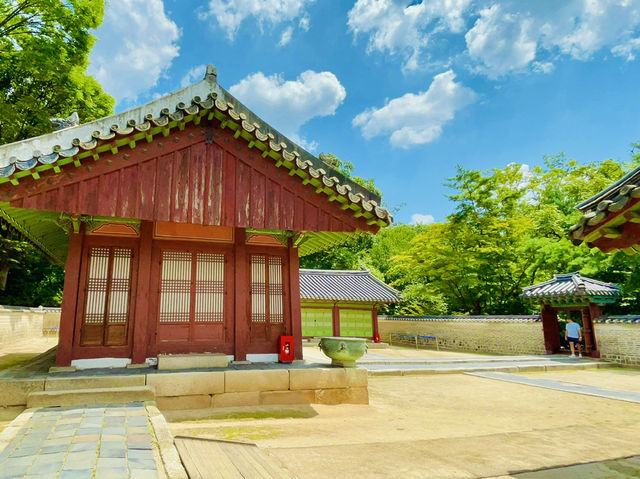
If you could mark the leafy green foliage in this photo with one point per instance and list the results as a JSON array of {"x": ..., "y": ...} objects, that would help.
[
  {"x": 44, "y": 49},
  {"x": 346, "y": 168}
]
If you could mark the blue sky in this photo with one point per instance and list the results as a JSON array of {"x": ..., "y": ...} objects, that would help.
[{"x": 405, "y": 90}]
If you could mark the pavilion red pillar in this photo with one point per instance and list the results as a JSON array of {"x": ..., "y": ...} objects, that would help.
[
  {"x": 374, "y": 321},
  {"x": 550, "y": 329},
  {"x": 335, "y": 318},
  {"x": 595, "y": 312},
  {"x": 294, "y": 295},
  {"x": 141, "y": 313},
  {"x": 241, "y": 295},
  {"x": 70, "y": 298}
]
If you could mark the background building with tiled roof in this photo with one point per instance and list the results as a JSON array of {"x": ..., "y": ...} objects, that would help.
[{"x": 342, "y": 303}]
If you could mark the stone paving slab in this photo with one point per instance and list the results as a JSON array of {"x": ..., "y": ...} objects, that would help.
[
  {"x": 562, "y": 386},
  {"x": 82, "y": 442}
]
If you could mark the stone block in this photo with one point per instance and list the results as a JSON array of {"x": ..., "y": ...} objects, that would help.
[
  {"x": 358, "y": 396},
  {"x": 236, "y": 399},
  {"x": 192, "y": 361},
  {"x": 83, "y": 397},
  {"x": 173, "y": 403},
  {"x": 264, "y": 380},
  {"x": 357, "y": 377},
  {"x": 287, "y": 397},
  {"x": 187, "y": 383},
  {"x": 15, "y": 392},
  {"x": 317, "y": 378},
  {"x": 342, "y": 396},
  {"x": 68, "y": 384}
]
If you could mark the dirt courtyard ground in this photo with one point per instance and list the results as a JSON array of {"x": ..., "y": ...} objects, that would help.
[{"x": 447, "y": 426}]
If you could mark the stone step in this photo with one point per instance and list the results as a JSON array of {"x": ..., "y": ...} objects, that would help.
[
  {"x": 86, "y": 397},
  {"x": 192, "y": 361},
  {"x": 54, "y": 383}
]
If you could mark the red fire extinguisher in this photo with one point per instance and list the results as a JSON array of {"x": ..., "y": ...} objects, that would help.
[{"x": 286, "y": 349}]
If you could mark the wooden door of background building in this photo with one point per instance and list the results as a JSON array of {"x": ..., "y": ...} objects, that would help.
[
  {"x": 103, "y": 322},
  {"x": 268, "y": 298},
  {"x": 194, "y": 301}
]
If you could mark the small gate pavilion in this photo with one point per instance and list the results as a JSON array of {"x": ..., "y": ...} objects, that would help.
[
  {"x": 571, "y": 292},
  {"x": 181, "y": 223},
  {"x": 342, "y": 303}
]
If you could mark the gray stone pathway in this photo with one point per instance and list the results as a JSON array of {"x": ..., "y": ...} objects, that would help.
[
  {"x": 92, "y": 442},
  {"x": 562, "y": 386}
]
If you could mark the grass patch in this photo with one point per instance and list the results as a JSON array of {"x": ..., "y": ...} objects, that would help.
[
  {"x": 15, "y": 359},
  {"x": 246, "y": 433}
]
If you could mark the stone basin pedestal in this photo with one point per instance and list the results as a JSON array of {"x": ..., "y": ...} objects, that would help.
[{"x": 343, "y": 351}]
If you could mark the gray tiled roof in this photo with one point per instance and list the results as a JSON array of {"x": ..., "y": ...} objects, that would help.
[
  {"x": 513, "y": 318},
  {"x": 571, "y": 284},
  {"x": 332, "y": 285}
]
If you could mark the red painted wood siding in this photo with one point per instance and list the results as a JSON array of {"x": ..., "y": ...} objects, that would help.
[{"x": 186, "y": 180}]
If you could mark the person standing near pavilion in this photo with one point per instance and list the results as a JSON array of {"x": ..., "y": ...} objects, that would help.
[{"x": 573, "y": 334}]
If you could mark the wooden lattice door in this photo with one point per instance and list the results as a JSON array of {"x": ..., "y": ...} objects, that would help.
[
  {"x": 268, "y": 293},
  {"x": 107, "y": 296},
  {"x": 193, "y": 301}
]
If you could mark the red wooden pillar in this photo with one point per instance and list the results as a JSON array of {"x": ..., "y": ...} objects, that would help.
[
  {"x": 374, "y": 320},
  {"x": 142, "y": 312},
  {"x": 70, "y": 298},
  {"x": 294, "y": 299},
  {"x": 595, "y": 312},
  {"x": 550, "y": 329},
  {"x": 241, "y": 295},
  {"x": 335, "y": 316}
]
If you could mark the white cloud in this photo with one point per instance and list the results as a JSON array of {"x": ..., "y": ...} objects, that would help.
[
  {"x": 395, "y": 27},
  {"x": 286, "y": 36},
  {"x": 304, "y": 23},
  {"x": 136, "y": 44},
  {"x": 231, "y": 13},
  {"x": 288, "y": 104},
  {"x": 194, "y": 75},
  {"x": 414, "y": 119},
  {"x": 503, "y": 41},
  {"x": 420, "y": 219},
  {"x": 514, "y": 35},
  {"x": 501, "y": 36}
]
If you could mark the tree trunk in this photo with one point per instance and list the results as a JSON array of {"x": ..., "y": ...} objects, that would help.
[{"x": 4, "y": 274}]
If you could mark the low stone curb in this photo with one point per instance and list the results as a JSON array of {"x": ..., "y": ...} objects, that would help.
[
  {"x": 506, "y": 369},
  {"x": 169, "y": 454}
]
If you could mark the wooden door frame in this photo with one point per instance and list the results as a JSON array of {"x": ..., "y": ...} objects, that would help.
[
  {"x": 158, "y": 246},
  {"x": 90, "y": 352},
  {"x": 258, "y": 347}
]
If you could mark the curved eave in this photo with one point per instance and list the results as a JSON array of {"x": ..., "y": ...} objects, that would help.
[{"x": 205, "y": 99}]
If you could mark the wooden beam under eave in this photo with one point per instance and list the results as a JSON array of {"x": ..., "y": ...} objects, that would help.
[
  {"x": 612, "y": 233},
  {"x": 633, "y": 216}
]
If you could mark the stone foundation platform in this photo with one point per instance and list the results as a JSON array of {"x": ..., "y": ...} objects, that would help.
[{"x": 201, "y": 389}]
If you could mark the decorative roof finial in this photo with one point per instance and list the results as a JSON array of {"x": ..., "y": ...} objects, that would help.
[
  {"x": 211, "y": 74},
  {"x": 62, "y": 123}
]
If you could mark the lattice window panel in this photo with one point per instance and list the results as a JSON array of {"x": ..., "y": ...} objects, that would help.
[
  {"x": 267, "y": 289},
  {"x": 276, "y": 291},
  {"x": 175, "y": 287},
  {"x": 98, "y": 277},
  {"x": 108, "y": 286},
  {"x": 209, "y": 291},
  {"x": 120, "y": 286},
  {"x": 258, "y": 288}
]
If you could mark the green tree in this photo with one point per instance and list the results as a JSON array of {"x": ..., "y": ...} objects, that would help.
[
  {"x": 346, "y": 168},
  {"x": 44, "y": 50}
]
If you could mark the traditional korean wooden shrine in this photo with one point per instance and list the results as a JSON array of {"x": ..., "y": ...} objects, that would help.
[
  {"x": 180, "y": 224},
  {"x": 611, "y": 219},
  {"x": 342, "y": 303},
  {"x": 571, "y": 292}
]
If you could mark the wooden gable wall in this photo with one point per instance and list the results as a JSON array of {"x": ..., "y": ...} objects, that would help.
[{"x": 200, "y": 175}]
